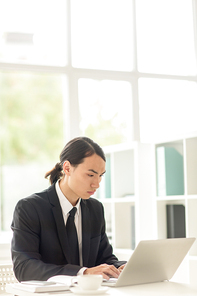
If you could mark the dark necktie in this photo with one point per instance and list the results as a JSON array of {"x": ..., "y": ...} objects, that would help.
[{"x": 72, "y": 237}]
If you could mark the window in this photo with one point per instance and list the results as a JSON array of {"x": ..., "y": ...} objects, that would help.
[
  {"x": 102, "y": 34},
  {"x": 33, "y": 32},
  {"x": 103, "y": 117},
  {"x": 31, "y": 121},
  {"x": 165, "y": 37},
  {"x": 33, "y": 97},
  {"x": 172, "y": 105},
  {"x": 166, "y": 59}
]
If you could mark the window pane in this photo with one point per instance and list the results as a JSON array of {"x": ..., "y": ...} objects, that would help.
[
  {"x": 165, "y": 37},
  {"x": 106, "y": 110},
  {"x": 102, "y": 34},
  {"x": 33, "y": 31},
  {"x": 167, "y": 108},
  {"x": 31, "y": 135}
]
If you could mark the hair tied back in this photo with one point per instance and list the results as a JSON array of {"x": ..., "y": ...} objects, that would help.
[{"x": 58, "y": 167}]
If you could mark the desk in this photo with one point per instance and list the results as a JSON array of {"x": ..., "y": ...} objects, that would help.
[{"x": 155, "y": 289}]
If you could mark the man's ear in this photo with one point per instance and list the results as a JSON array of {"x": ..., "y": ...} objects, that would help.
[{"x": 67, "y": 167}]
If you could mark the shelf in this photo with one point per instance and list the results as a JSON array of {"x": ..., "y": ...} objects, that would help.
[
  {"x": 116, "y": 193},
  {"x": 170, "y": 169},
  {"x": 191, "y": 165},
  {"x": 172, "y": 198},
  {"x": 176, "y": 198},
  {"x": 118, "y": 200},
  {"x": 162, "y": 215},
  {"x": 122, "y": 173},
  {"x": 192, "y": 223},
  {"x": 191, "y": 197},
  {"x": 124, "y": 222},
  {"x": 133, "y": 172},
  {"x": 187, "y": 150}
]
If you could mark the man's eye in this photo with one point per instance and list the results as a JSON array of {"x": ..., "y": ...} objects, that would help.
[{"x": 90, "y": 175}]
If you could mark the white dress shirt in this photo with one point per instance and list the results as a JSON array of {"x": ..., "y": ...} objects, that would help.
[{"x": 66, "y": 207}]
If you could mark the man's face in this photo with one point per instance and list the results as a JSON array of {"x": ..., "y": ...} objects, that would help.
[{"x": 84, "y": 179}]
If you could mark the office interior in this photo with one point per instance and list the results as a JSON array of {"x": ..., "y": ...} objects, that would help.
[{"x": 122, "y": 72}]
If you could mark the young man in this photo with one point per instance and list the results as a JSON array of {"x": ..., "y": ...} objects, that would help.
[{"x": 42, "y": 246}]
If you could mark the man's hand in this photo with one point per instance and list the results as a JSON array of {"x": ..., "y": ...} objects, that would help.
[
  {"x": 105, "y": 270},
  {"x": 121, "y": 267}
]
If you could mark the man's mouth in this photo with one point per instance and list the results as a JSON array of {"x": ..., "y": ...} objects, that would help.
[{"x": 91, "y": 192}]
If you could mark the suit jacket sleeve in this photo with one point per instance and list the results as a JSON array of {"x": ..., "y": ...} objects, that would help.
[{"x": 30, "y": 253}]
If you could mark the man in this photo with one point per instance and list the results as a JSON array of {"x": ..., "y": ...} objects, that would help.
[{"x": 41, "y": 244}]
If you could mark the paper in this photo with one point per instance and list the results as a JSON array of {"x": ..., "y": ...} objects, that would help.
[
  {"x": 62, "y": 279},
  {"x": 38, "y": 288}
]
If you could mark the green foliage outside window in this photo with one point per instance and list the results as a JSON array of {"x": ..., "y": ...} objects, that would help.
[
  {"x": 31, "y": 117},
  {"x": 31, "y": 135}
]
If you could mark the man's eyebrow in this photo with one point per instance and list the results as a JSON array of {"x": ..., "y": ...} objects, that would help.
[{"x": 96, "y": 172}]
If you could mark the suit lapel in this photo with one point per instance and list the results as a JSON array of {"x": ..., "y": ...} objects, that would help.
[
  {"x": 59, "y": 220},
  {"x": 86, "y": 232}
]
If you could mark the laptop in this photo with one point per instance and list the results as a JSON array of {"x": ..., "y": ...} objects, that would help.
[{"x": 153, "y": 261}]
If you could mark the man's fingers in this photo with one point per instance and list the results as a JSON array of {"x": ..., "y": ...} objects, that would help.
[
  {"x": 105, "y": 270},
  {"x": 112, "y": 271},
  {"x": 121, "y": 267}
]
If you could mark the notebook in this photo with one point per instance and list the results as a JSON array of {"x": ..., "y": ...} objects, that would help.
[
  {"x": 153, "y": 261},
  {"x": 39, "y": 287}
]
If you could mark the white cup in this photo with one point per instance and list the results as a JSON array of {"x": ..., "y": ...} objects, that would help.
[{"x": 89, "y": 281}]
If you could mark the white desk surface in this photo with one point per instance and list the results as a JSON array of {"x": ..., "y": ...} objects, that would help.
[{"x": 155, "y": 289}]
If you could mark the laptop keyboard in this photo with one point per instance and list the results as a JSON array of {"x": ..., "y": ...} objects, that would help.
[{"x": 110, "y": 281}]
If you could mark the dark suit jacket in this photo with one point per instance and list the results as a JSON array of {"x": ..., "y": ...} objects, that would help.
[{"x": 40, "y": 247}]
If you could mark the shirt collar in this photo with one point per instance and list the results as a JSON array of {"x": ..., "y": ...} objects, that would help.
[{"x": 65, "y": 204}]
